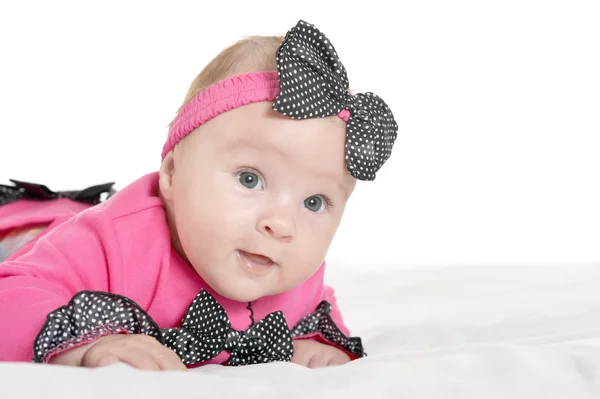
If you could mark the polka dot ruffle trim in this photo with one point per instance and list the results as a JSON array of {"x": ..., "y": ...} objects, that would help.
[
  {"x": 320, "y": 321},
  {"x": 204, "y": 333},
  {"x": 88, "y": 316}
]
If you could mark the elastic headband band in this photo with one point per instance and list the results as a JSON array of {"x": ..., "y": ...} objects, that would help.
[
  {"x": 310, "y": 82},
  {"x": 224, "y": 96}
]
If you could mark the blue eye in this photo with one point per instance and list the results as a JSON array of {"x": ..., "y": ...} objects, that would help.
[
  {"x": 315, "y": 203},
  {"x": 249, "y": 180}
]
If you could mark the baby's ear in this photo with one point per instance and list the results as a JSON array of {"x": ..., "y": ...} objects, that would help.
[{"x": 165, "y": 176}]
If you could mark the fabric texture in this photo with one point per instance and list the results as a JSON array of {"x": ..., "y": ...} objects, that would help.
[
  {"x": 87, "y": 316},
  {"x": 319, "y": 323},
  {"x": 314, "y": 84},
  {"x": 206, "y": 330}
]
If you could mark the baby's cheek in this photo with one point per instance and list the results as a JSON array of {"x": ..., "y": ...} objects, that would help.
[
  {"x": 320, "y": 240},
  {"x": 306, "y": 266}
]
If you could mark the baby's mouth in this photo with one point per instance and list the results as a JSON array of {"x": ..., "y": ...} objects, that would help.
[{"x": 256, "y": 263}]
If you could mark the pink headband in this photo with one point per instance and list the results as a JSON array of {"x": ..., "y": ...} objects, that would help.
[
  {"x": 224, "y": 96},
  {"x": 310, "y": 82}
]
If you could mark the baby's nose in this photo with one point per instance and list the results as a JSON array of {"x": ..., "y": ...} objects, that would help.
[{"x": 277, "y": 226}]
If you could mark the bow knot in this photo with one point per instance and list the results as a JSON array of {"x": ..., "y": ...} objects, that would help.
[
  {"x": 232, "y": 340},
  {"x": 206, "y": 331}
]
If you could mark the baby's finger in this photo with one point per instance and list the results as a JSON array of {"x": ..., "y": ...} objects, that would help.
[
  {"x": 139, "y": 359},
  {"x": 338, "y": 360},
  {"x": 101, "y": 361},
  {"x": 167, "y": 359},
  {"x": 300, "y": 359},
  {"x": 317, "y": 361}
]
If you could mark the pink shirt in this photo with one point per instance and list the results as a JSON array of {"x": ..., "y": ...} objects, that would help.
[{"x": 121, "y": 246}]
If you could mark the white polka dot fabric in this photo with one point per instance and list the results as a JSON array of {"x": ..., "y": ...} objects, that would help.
[
  {"x": 320, "y": 321},
  {"x": 314, "y": 84},
  {"x": 90, "y": 315},
  {"x": 206, "y": 331}
]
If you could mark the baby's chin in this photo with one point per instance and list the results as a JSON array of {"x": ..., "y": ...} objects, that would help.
[{"x": 240, "y": 292}]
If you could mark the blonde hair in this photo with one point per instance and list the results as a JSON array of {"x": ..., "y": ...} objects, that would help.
[{"x": 250, "y": 54}]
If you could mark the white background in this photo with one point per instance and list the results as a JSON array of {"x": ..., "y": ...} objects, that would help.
[{"x": 498, "y": 106}]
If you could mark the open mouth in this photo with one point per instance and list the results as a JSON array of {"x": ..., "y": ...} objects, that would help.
[{"x": 256, "y": 263}]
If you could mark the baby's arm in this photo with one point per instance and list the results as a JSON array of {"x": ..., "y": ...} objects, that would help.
[
  {"x": 36, "y": 288},
  {"x": 63, "y": 262}
]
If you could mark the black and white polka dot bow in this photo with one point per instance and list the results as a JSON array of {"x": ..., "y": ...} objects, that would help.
[
  {"x": 206, "y": 331},
  {"x": 313, "y": 84}
]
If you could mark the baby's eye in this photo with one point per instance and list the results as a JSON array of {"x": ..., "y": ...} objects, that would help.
[
  {"x": 315, "y": 203},
  {"x": 250, "y": 180}
]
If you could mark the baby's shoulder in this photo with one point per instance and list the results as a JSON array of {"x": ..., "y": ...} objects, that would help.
[
  {"x": 138, "y": 197},
  {"x": 136, "y": 211}
]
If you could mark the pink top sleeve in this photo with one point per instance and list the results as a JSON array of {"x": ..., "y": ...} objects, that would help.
[{"x": 70, "y": 258}]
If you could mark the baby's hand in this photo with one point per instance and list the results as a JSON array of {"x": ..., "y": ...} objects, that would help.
[
  {"x": 137, "y": 350},
  {"x": 314, "y": 354}
]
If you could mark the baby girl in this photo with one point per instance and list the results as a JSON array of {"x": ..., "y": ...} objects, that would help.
[{"x": 217, "y": 257}]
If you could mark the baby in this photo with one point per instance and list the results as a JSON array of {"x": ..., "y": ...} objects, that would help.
[{"x": 218, "y": 257}]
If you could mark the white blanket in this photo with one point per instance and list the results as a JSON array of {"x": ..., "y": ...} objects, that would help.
[{"x": 447, "y": 332}]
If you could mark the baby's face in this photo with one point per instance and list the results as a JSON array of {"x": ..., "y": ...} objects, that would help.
[{"x": 257, "y": 198}]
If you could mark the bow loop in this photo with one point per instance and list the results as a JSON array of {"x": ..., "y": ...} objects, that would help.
[
  {"x": 313, "y": 81},
  {"x": 371, "y": 133},
  {"x": 314, "y": 84},
  {"x": 206, "y": 315},
  {"x": 203, "y": 331}
]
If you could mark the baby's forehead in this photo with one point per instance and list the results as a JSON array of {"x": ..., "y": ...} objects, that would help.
[
  {"x": 259, "y": 123},
  {"x": 321, "y": 139}
]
